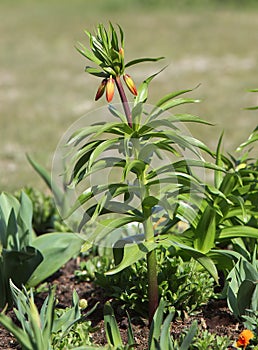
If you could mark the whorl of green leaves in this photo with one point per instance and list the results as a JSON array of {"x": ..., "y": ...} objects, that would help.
[
  {"x": 133, "y": 198},
  {"x": 107, "y": 52},
  {"x": 134, "y": 149}
]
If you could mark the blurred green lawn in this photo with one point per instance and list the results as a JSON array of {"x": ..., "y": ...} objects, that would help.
[{"x": 43, "y": 87}]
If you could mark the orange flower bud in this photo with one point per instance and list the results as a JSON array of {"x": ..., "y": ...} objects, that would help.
[
  {"x": 110, "y": 89},
  {"x": 130, "y": 84},
  {"x": 121, "y": 51},
  {"x": 101, "y": 89},
  {"x": 244, "y": 338}
]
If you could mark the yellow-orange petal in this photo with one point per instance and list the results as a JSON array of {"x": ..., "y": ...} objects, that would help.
[
  {"x": 101, "y": 89},
  {"x": 130, "y": 84},
  {"x": 244, "y": 338},
  {"x": 110, "y": 89},
  {"x": 121, "y": 51}
]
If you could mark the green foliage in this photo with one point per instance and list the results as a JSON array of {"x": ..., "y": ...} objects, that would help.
[
  {"x": 46, "y": 217},
  {"x": 56, "y": 248},
  {"x": 136, "y": 145},
  {"x": 47, "y": 329},
  {"x": 205, "y": 341},
  {"x": 251, "y": 320},
  {"x": 112, "y": 331},
  {"x": 159, "y": 336},
  {"x": 18, "y": 257},
  {"x": 24, "y": 257},
  {"x": 35, "y": 331},
  {"x": 60, "y": 194},
  {"x": 106, "y": 53},
  {"x": 183, "y": 285},
  {"x": 154, "y": 161},
  {"x": 44, "y": 211},
  {"x": 227, "y": 216},
  {"x": 242, "y": 292},
  {"x": 71, "y": 327}
]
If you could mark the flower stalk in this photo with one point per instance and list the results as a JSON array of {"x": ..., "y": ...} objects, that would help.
[
  {"x": 107, "y": 56},
  {"x": 124, "y": 101},
  {"x": 149, "y": 234}
]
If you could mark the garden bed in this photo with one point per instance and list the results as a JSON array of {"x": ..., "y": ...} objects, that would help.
[{"x": 214, "y": 317}]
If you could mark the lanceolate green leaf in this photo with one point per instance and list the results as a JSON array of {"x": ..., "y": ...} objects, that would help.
[
  {"x": 171, "y": 104},
  {"x": 143, "y": 89},
  {"x": 21, "y": 336},
  {"x": 111, "y": 327},
  {"x": 98, "y": 130},
  {"x": 81, "y": 170},
  {"x": 189, "y": 336},
  {"x": 140, "y": 60},
  {"x": 106, "y": 226},
  {"x": 46, "y": 176},
  {"x": 244, "y": 295},
  {"x": 218, "y": 175},
  {"x": 183, "y": 249},
  {"x": 133, "y": 253},
  {"x": 173, "y": 121},
  {"x": 113, "y": 110},
  {"x": 182, "y": 141},
  {"x": 252, "y": 138},
  {"x": 205, "y": 231},
  {"x": 96, "y": 72},
  {"x": 238, "y": 231},
  {"x": 82, "y": 158},
  {"x": 171, "y": 96},
  {"x": 165, "y": 337},
  {"x": 228, "y": 183},
  {"x": 88, "y": 54},
  {"x": 57, "y": 249},
  {"x": 155, "y": 329},
  {"x": 225, "y": 259},
  {"x": 82, "y": 133},
  {"x": 114, "y": 189},
  {"x": 104, "y": 146}
]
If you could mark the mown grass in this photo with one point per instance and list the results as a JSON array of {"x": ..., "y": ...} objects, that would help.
[{"x": 43, "y": 88}]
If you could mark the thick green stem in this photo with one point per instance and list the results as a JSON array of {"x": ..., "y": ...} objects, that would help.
[
  {"x": 153, "y": 292},
  {"x": 124, "y": 101}
]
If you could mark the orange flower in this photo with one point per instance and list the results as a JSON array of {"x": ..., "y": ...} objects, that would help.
[
  {"x": 110, "y": 89},
  {"x": 130, "y": 84},
  {"x": 101, "y": 89},
  {"x": 244, "y": 338}
]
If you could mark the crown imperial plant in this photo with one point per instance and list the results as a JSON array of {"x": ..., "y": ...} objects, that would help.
[{"x": 151, "y": 195}]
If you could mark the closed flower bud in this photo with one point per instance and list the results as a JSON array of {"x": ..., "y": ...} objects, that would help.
[
  {"x": 110, "y": 89},
  {"x": 101, "y": 89},
  {"x": 83, "y": 304},
  {"x": 130, "y": 84},
  {"x": 121, "y": 51}
]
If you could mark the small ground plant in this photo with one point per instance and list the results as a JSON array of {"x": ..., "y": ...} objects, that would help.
[{"x": 183, "y": 285}]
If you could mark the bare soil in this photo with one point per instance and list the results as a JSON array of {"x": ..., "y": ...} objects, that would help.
[{"x": 215, "y": 316}]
